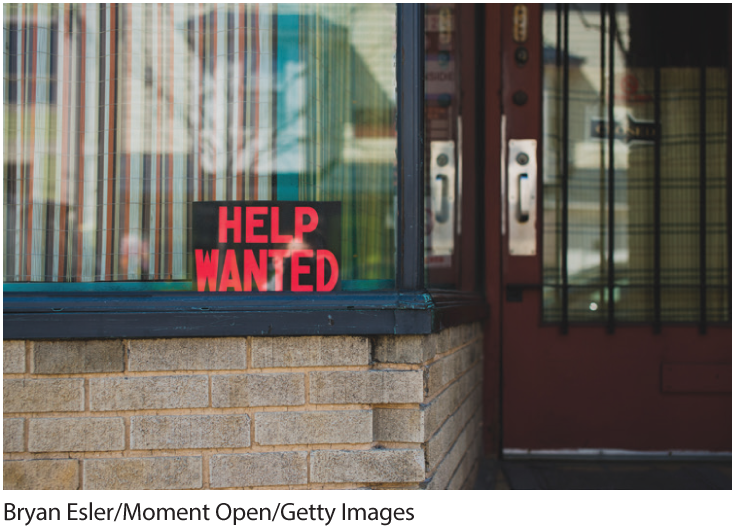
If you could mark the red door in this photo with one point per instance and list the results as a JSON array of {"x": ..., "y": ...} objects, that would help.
[{"x": 608, "y": 249}]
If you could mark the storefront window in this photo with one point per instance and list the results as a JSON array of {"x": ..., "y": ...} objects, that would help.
[{"x": 119, "y": 118}]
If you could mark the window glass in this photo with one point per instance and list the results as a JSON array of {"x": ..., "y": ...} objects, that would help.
[
  {"x": 118, "y": 118},
  {"x": 647, "y": 235},
  {"x": 443, "y": 123}
]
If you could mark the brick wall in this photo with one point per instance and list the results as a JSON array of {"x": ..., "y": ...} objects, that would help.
[{"x": 290, "y": 412}]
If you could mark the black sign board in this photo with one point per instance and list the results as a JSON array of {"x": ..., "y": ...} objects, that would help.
[
  {"x": 267, "y": 246},
  {"x": 630, "y": 131}
]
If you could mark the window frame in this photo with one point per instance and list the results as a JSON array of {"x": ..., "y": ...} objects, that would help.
[{"x": 408, "y": 309}]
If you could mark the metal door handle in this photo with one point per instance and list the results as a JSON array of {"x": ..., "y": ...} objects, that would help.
[
  {"x": 443, "y": 214},
  {"x": 525, "y": 192}
]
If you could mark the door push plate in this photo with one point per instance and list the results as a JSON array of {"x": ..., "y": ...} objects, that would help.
[{"x": 522, "y": 192}]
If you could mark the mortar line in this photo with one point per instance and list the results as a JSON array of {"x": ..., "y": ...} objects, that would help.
[
  {"x": 28, "y": 349},
  {"x": 26, "y": 434}
]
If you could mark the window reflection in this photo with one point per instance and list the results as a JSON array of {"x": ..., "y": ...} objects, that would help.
[
  {"x": 118, "y": 117},
  {"x": 443, "y": 124},
  {"x": 664, "y": 75}
]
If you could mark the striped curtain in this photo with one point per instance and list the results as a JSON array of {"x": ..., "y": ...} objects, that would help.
[{"x": 118, "y": 117}]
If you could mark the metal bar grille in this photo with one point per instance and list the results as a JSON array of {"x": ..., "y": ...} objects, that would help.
[
  {"x": 729, "y": 181},
  {"x": 657, "y": 193},
  {"x": 565, "y": 173},
  {"x": 611, "y": 177},
  {"x": 637, "y": 167},
  {"x": 702, "y": 197}
]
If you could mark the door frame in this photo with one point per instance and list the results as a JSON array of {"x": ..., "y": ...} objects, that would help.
[{"x": 637, "y": 349}]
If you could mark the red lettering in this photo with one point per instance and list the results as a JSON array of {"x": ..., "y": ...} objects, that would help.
[
  {"x": 234, "y": 224},
  {"x": 275, "y": 236},
  {"x": 300, "y": 228},
  {"x": 298, "y": 269},
  {"x": 251, "y": 222},
  {"x": 278, "y": 257},
  {"x": 230, "y": 273},
  {"x": 321, "y": 256},
  {"x": 207, "y": 270},
  {"x": 258, "y": 272}
]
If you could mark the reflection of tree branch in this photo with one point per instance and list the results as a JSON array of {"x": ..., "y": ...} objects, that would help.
[
  {"x": 598, "y": 27},
  {"x": 584, "y": 21}
]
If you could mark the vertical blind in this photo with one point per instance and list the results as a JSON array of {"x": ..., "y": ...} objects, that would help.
[{"x": 118, "y": 117}]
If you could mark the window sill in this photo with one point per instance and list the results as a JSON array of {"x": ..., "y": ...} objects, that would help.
[{"x": 162, "y": 315}]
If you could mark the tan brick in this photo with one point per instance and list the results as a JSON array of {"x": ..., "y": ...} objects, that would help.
[
  {"x": 13, "y": 435},
  {"x": 396, "y": 424},
  {"x": 190, "y": 354},
  {"x": 444, "y": 340},
  {"x": 189, "y": 431},
  {"x": 443, "y": 371},
  {"x": 443, "y": 405},
  {"x": 407, "y": 349},
  {"x": 294, "y": 351},
  {"x": 258, "y": 469},
  {"x": 14, "y": 356},
  {"x": 235, "y": 391},
  {"x": 471, "y": 331},
  {"x": 367, "y": 466},
  {"x": 365, "y": 387},
  {"x": 143, "y": 473},
  {"x": 471, "y": 481},
  {"x": 86, "y": 434},
  {"x": 449, "y": 464},
  {"x": 442, "y": 441},
  {"x": 149, "y": 393},
  {"x": 286, "y": 428},
  {"x": 38, "y": 474},
  {"x": 65, "y": 394},
  {"x": 467, "y": 464},
  {"x": 78, "y": 356}
]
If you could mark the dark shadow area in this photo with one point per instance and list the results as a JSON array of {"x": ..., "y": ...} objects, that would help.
[{"x": 604, "y": 475}]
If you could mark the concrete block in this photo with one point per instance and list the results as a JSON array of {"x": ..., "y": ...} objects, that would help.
[
  {"x": 367, "y": 466},
  {"x": 235, "y": 391},
  {"x": 447, "y": 339},
  {"x": 189, "y": 431},
  {"x": 365, "y": 387},
  {"x": 443, "y": 405},
  {"x": 399, "y": 425},
  {"x": 13, "y": 435},
  {"x": 471, "y": 331},
  {"x": 407, "y": 349},
  {"x": 295, "y": 351},
  {"x": 83, "y": 434},
  {"x": 149, "y": 393},
  {"x": 441, "y": 442},
  {"x": 39, "y": 474},
  {"x": 37, "y": 395},
  {"x": 443, "y": 371},
  {"x": 312, "y": 427},
  {"x": 449, "y": 464},
  {"x": 143, "y": 473},
  {"x": 14, "y": 356},
  {"x": 468, "y": 462},
  {"x": 187, "y": 354},
  {"x": 257, "y": 469},
  {"x": 78, "y": 356}
]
